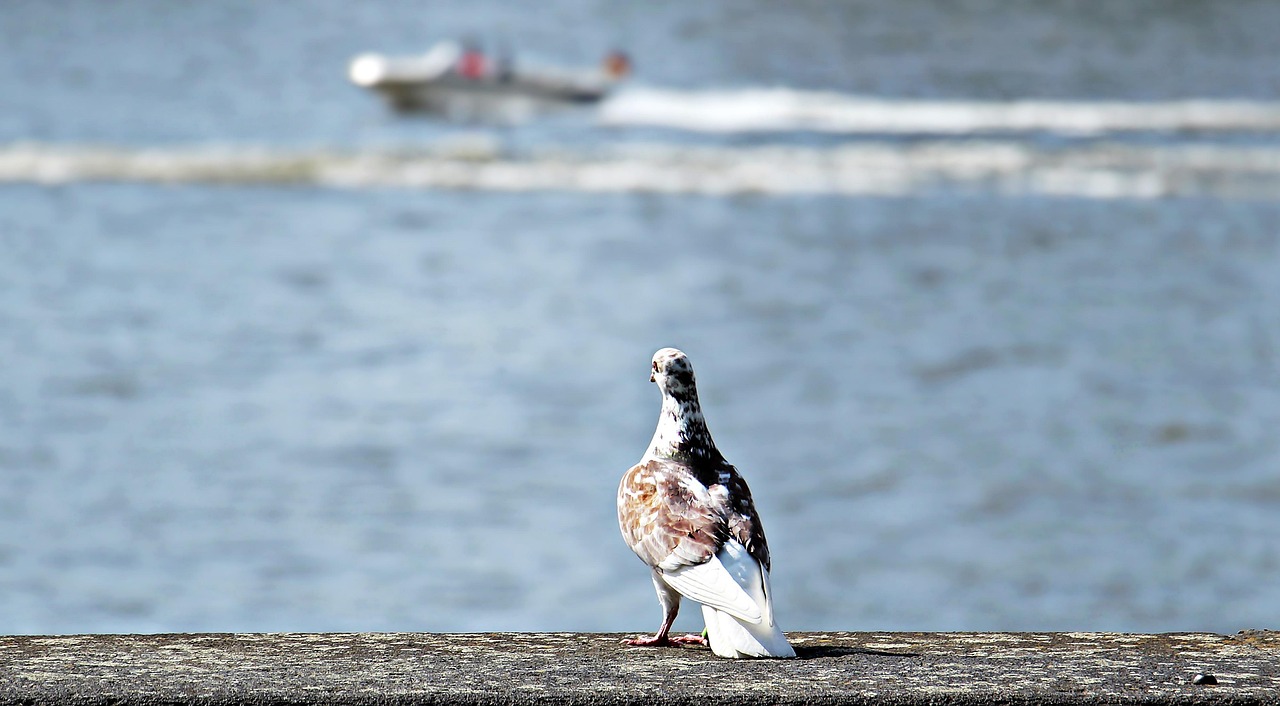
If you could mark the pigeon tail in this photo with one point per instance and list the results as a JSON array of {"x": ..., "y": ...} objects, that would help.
[
  {"x": 732, "y": 638},
  {"x": 730, "y": 635}
]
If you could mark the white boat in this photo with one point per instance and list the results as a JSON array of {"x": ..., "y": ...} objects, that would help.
[{"x": 450, "y": 78}]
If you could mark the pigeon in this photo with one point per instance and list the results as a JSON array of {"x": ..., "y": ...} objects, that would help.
[{"x": 687, "y": 513}]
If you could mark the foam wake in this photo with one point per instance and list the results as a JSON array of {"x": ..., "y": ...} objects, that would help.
[
  {"x": 790, "y": 110},
  {"x": 1095, "y": 170}
]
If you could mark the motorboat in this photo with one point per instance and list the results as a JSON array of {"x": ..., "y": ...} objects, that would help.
[{"x": 453, "y": 76}]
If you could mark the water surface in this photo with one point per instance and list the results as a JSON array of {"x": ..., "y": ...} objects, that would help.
[{"x": 1018, "y": 378}]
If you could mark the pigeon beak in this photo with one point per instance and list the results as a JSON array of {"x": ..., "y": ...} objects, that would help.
[{"x": 652, "y": 378}]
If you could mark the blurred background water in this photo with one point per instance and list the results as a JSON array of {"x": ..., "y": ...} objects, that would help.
[{"x": 984, "y": 299}]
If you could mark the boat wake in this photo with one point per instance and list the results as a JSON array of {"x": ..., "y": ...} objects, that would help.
[
  {"x": 789, "y": 110},
  {"x": 1092, "y": 170}
]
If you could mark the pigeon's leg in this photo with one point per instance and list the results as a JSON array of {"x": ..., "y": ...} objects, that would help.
[{"x": 670, "y": 601}]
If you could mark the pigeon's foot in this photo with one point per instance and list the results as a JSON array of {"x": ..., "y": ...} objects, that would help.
[
  {"x": 666, "y": 641},
  {"x": 654, "y": 641}
]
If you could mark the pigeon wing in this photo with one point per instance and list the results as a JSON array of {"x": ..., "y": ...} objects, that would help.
[
  {"x": 667, "y": 516},
  {"x": 677, "y": 526},
  {"x": 743, "y": 521},
  {"x": 712, "y": 583}
]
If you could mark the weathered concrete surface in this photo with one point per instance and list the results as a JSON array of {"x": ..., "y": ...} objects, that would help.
[{"x": 567, "y": 668}]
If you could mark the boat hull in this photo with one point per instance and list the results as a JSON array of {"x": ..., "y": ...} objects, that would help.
[{"x": 412, "y": 85}]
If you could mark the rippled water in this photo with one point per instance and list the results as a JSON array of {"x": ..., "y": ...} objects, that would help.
[{"x": 239, "y": 397}]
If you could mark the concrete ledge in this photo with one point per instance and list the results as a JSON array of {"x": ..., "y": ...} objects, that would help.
[{"x": 569, "y": 668}]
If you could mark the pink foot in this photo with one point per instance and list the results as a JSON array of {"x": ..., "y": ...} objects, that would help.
[
  {"x": 655, "y": 641},
  {"x": 666, "y": 641}
]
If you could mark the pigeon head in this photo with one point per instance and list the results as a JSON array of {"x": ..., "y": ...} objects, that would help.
[
  {"x": 682, "y": 431},
  {"x": 673, "y": 373}
]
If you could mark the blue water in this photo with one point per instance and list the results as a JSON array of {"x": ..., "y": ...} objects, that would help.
[{"x": 271, "y": 407}]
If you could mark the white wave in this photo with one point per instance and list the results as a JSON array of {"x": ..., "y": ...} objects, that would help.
[
  {"x": 995, "y": 166},
  {"x": 787, "y": 110}
]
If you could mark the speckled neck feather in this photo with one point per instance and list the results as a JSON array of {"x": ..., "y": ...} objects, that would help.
[{"x": 682, "y": 430}]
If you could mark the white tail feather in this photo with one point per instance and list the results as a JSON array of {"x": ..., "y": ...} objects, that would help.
[{"x": 731, "y": 636}]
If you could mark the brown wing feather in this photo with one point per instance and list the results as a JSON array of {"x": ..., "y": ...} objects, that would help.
[
  {"x": 662, "y": 516},
  {"x": 667, "y": 513}
]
